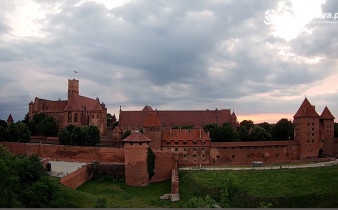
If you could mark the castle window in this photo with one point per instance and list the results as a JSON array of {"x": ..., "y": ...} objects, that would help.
[
  {"x": 75, "y": 118},
  {"x": 313, "y": 141},
  {"x": 176, "y": 143},
  {"x": 93, "y": 116},
  {"x": 184, "y": 142},
  {"x": 168, "y": 142},
  {"x": 248, "y": 156},
  {"x": 97, "y": 116},
  {"x": 203, "y": 155},
  {"x": 203, "y": 143},
  {"x": 194, "y": 155},
  {"x": 194, "y": 149},
  {"x": 131, "y": 143},
  {"x": 240, "y": 147},
  {"x": 203, "y": 149},
  {"x": 185, "y": 155},
  {"x": 308, "y": 141},
  {"x": 217, "y": 156},
  {"x": 140, "y": 143},
  {"x": 233, "y": 156},
  {"x": 195, "y": 143},
  {"x": 176, "y": 149},
  {"x": 313, "y": 134},
  {"x": 276, "y": 155},
  {"x": 69, "y": 117},
  {"x": 185, "y": 149}
]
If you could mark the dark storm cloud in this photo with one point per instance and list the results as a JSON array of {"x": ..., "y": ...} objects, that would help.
[{"x": 167, "y": 52}]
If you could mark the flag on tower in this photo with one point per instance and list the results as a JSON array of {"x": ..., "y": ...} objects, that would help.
[{"x": 75, "y": 72}]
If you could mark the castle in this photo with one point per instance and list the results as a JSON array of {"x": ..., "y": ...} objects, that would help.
[
  {"x": 314, "y": 135},
  {"x": 77, "y": 110}
]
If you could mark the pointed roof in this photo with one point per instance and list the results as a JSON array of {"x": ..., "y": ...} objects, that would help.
[
  {"x": 326, "y": 114},
  {"x": 152, "y": 120},
  {"x": 148, "y": 108},
  {"x": 306, "y": 110},
  {"x": 233, "y": 115},
  {"x": 10, "y": 118},
  {"x": 76, "y": 102},
  {"x": 136, "y": 136}
]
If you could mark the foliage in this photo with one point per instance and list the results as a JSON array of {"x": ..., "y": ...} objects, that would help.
[
  {"x": 78, "y": 136},
  {"x": 65, "y": 137},
  {"x": 92, "y": 136},
  {"x": 48, "y": 126},
  {"x": 243, "y": 133},
  {"x": 126, "y": 134},
  {"x": 266, "y": 126},
  {"x": 265, "y": 205},
  {"x": 247, "y": 123},
  {"x": 209, "y": 127},
  {"x": 336, "y": 130},
  {"x": 26, "y": 119},
  {"x": 223, "y": 134},
  {"x": 197, "y": 202},
  {"x": 3, "y": 123},
  {"x": 151, "y": 162},
  {"x": 283, "y": 130},
  {"x": 259, "y": 134},
  {"x": 15, "y": 132},
  {"x": 100, "y": 203},
  {"x": 24, "y": 183},
  {"x": 187, "y": 126},
  {"x": 228, "y": 191},
  {"x": 111, "y": 119}
]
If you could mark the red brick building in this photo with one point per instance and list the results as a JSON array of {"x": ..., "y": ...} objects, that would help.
[{"x": 77, "y": 110}]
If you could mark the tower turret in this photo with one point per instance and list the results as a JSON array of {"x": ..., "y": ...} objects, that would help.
[{"x": 73, "y": 87}]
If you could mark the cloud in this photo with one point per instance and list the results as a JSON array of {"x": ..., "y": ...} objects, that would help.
[{"x": 175, "y": 54}]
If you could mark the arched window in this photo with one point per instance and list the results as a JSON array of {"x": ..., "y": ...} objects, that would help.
[
  {"x": 69, "y": 117},
  {"x": 75, "y": 118}
]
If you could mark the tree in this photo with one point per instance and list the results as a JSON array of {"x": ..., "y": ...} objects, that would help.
[
  {"x": 267, "y": 127},
  {"x": 65, "y": 137},
  {"x": 151, "y": 162},
  {"x": 336, "y": 130},
  {"x": 70, "y": 128},
  {"x": 259, "y": 134},
  {"x": 100, "y": 203},
  {"x": 2, "y": 134},
  {"x": 26, "y": 119},
  {"x": 243, "y": 133},
  {"x": 22, "y": 132},
  {"x": 92, "y": 135},
  {"x": 111, "y": 119},
  {"x": 223, "y": 134},
  {"x": 11, "y": 134},
  {"x": 126, "y": 134},
  {"x": 247, "y": 123},
  {"x": 283, "y": 130},
  {"x": 3, "y": 123},
  {"x": 78, "y": 136},
  {"x": 209, "y": 127},
  {"x": 48, "y": 126}
]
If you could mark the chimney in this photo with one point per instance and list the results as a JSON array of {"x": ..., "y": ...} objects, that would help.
[
  {"x": 200, "y": 133},
  {"x": 208, "y": 133}
]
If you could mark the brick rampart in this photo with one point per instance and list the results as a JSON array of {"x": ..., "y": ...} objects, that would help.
[
  {"x": 175, "y": 178},
  {"x": 163, "y": 166},
  {"x": 68, "y": 153},
  {"x": 77, "y": 178}
]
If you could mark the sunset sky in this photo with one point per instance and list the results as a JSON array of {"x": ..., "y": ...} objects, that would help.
[{"x": 259, "y": 58}]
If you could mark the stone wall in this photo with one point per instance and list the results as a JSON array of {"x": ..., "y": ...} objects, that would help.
[
  {"x": 68, "y": 153},
  {"x": 77, "y": 178}
]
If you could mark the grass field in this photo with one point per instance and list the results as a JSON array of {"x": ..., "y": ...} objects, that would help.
[{"x": 311, "y": 187}]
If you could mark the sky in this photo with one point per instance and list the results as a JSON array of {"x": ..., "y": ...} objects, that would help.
[{"x": 259, "y": 58}]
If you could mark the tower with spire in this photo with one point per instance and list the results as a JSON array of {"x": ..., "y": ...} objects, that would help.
[{"x": 327, "y": 131}]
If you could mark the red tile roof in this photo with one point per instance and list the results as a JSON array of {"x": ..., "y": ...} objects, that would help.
[
  {"x": 326, "y": 114},
  {"x": 185, "y": 134},
  {"x": 306, "y": 110},
  {"x": 152, "y": 120},
  {"x": 76, "y": 102},
  {"x": 52, "y": 106},
  {"x": 182, "y": 117},
  {"x": 136, "y": 136},
  {"x": 10, "y": 118}
]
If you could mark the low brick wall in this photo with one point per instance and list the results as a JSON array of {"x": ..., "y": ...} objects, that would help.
[
  {"x": 175, "y": 178},
  {"x": 68, "y": 153},
  {"x": 77, "y": 178}
]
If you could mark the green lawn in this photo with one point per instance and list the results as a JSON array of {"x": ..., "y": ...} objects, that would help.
[{"x": 311, "y": 187}]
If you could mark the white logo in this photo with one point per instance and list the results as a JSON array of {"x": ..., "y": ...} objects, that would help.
[{"x": 269, "y": 15}]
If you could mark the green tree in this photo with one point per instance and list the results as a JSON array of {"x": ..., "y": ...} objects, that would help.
[
  {"x": 26, "y": 119},
  {"x": 229, "y": 191},
  {"x": 283, "y": 130},
  {"x": 65, "y": 137},
  {"x": 70, "y": 128},
  {"x": 247, "y": 123},
  {"x": 259, "y": 134},
  {"x": 3, "y": 123},
  {"x": 126, "y": 134},
  {"x": 22, "y": 132},
  {"x": 267, "y": 127},
  {"x": 2, "y": 134},
  {"x": 197, "y": 202},
  {"x": 78, "y": 136},
  {"x": 243, "y": 133},
  {"x": 223, "y": 134},
  {"x": 111, "y": 119},
  {"x": 92, "y": 135},
  {"x": 48, "y": 126},
  {"x": 336, "y": 130},
  {"x": 151, "y": 162},
  {"x": 209, "y": 127},
  {"x": 11, "y": 134}
]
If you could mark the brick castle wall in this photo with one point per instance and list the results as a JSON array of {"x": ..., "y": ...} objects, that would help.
[
  {"x": 163, "y": 166},
  {"x": 77, "y": 178},
  {"x": 68, "y": 153}
]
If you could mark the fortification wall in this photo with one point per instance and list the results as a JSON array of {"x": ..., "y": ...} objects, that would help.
[
  {"x": 77, "y": 178},
  {"x": 247, "y": 152},
  {"x": 163, "y": 166},
  {"x": 68, "y": 153}
]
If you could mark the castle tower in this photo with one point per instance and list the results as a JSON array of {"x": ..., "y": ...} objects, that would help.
[
  {"x": 10, "y": 119},
  {"x": 306, "y": 127},
  {"x": 152, "y": 129},
  {"x": 327, "y": 131},
  {"x": 135, "y": 155},
  {"x": 73, "y": 87}
]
